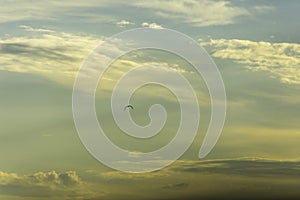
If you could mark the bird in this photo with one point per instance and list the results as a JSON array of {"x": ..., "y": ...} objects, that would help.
[{"x": 128, "y": 106}]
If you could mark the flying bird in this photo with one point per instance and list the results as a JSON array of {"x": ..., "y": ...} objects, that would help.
[{"x": 128, "y": 106}]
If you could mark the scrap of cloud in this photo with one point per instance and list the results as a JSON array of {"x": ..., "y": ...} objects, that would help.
[
  {"x": 152, "y": 25},
  {"x": 31, "y": 29},
  {"x": 201, "y": 13},
  {"x": 123, "y": 176},
  {"x": 263, "y": 9},
  {"x": 124, "y": 23},
  {"x": 176, "y": 186},
  {"x": 282, "y": 60}
]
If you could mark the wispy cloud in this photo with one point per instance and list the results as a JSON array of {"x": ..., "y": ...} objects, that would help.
[
  {"x": 192, "y": 12},
  {"x": 282, "y": 60},
  {"x": 263, "y": 9},
  {"x": 31, "y": 29},
  {"x": 241, "y": 166},
  {"x": 200, "y": 13},
  {"x": 46, "y": 51},
  {"x": 244, "y": 166},
  {"x": 47, "y": 10},
  {"x": 52, "y": 53}
]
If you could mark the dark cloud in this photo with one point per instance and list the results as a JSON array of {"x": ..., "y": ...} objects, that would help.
[
  {"x": 244, "y": 167},
  {"x": 35, "y": 51},
  {"x": 176, "y": 186}
]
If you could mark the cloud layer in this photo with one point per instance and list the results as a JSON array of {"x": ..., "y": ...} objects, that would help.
[
  {"x": 185, "y": 179},
  {"x": 235, "y": 178}
]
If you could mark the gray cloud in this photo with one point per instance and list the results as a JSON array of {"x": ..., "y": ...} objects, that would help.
[
  {"x": 176, "y": 186},
  {"x": 242, "y": 167},
  {"x": 239, "y": 166},
  {"x": 209, "y": 179},
  {"x": 35, "y": 52}
]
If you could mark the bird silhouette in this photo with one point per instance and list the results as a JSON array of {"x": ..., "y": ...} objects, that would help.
[{"x": 128, "y": 106}]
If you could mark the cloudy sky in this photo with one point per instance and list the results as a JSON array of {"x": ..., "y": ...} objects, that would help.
[{"x": 256, "y": 46}]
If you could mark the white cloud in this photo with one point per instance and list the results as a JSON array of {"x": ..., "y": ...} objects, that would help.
[
  {"x": 152, "y": 25},
  {"x": 124, "y": 23},
  {"x": 53, "y": 54},
  {"x": 282, "y": 60},
  {"x": 29, "y": 28},
  {"x": 197, "y": 13},
  {"x": 46, "y": 52}
]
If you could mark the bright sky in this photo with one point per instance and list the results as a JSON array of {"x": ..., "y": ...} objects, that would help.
[{"x": 255, "y": 44}]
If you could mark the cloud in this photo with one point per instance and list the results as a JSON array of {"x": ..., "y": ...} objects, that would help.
[
  {"x": 236, "y": 177},
  {"x": 152, "y": 25},
  {"x": 58, "y": 56},
  {"x": 244, "y": 166},
  {"x": 50, "y": 179},
  {"x": 240, "y": 166},
  {"x": 176, "y": 186},
  {"x": 123, "y": 23},
  {"x": 46, "y": 51},
  {"x": 200, "y": 13},
  {"x": 195, "y": 179},
  {"x": 30, "y": 29},
  {"x": 48, "y": 10},
  {"x": 196, "y": 13},
  {"x": 263, "y": 9},
  {"x": 122, "y": 175},
  {"x": 43, "y": 184},
  {"x": 282, "y": 60}
]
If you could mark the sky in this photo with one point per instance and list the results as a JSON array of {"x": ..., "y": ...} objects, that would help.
[{"x": 255, "y": 45}]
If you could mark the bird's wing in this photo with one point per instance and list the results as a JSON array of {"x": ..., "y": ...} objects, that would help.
[{"x": 128, "y": 106}]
